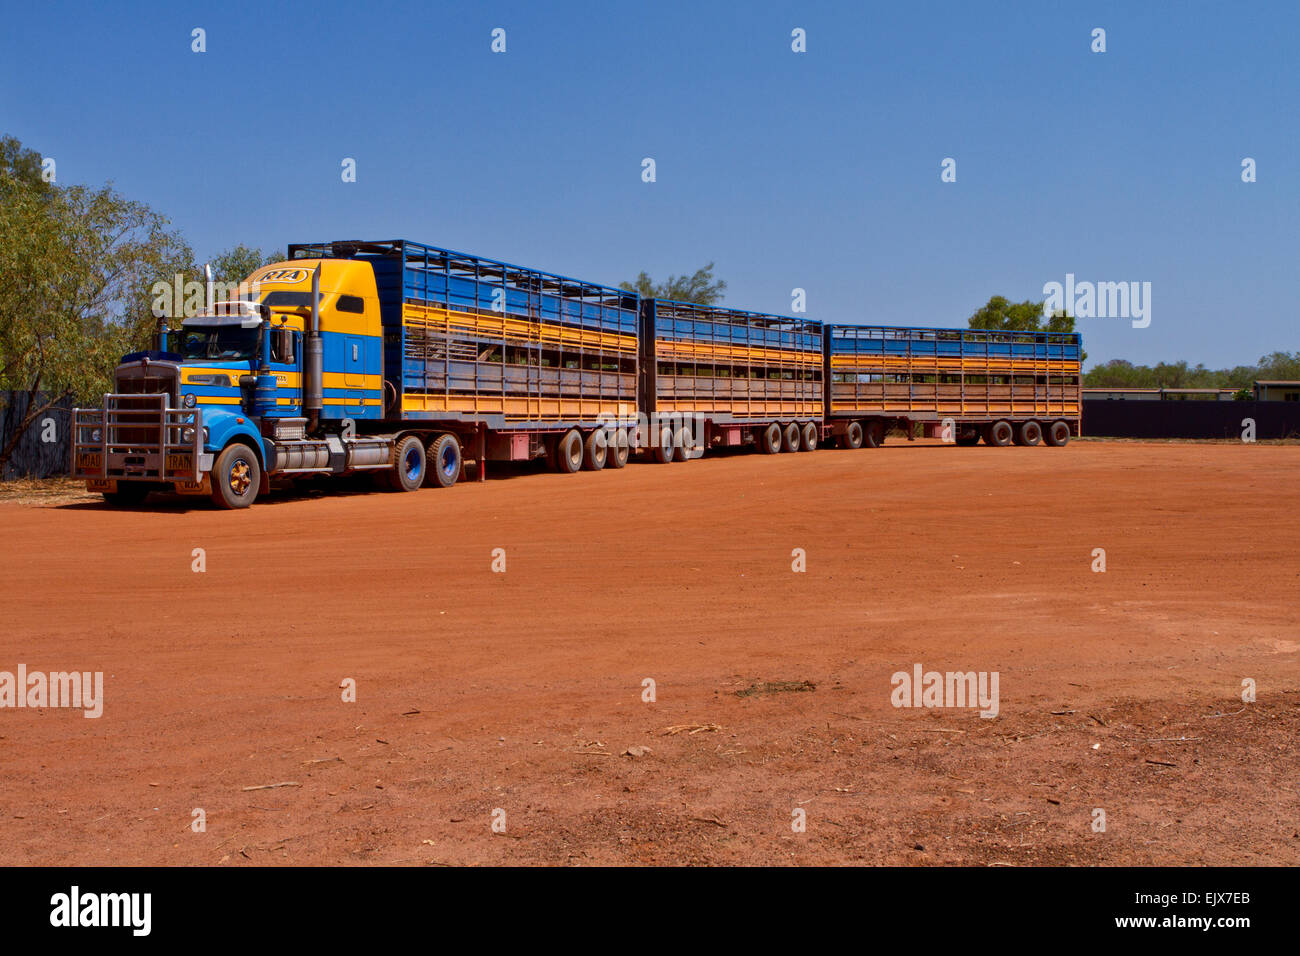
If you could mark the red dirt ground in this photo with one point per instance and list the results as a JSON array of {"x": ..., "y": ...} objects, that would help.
[{"x": 479, "y": 691}]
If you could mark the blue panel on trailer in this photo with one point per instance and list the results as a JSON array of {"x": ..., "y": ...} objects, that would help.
[{"x": 969, "y": 343}]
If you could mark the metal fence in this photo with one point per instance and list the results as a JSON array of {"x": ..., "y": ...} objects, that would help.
[{"x": 1118, "y": 418}]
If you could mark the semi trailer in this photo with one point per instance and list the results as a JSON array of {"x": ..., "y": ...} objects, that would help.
[
  {"x": 726, "y": 377},
  {"x": 962, "y": 384},
  {"x": 403, "y": 360}
]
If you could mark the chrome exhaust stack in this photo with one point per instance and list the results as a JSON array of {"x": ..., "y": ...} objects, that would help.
[{"x": 313, "y": 388}]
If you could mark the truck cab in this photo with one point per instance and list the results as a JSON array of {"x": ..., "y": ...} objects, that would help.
[{"x": 273, "y": 381}]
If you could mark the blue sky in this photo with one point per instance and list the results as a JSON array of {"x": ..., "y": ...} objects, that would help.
[{"x": 818, "y": 170}]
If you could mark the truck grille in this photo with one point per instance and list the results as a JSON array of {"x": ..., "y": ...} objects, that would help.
[{"x": 139, "y": 432}]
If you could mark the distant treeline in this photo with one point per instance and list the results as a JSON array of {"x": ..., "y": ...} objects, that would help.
[{"x": 1118, "y": 373}]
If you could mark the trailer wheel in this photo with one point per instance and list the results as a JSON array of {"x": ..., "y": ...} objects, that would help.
[
  {"x": 769, "y": 439},
  {"x": 1058, "y": 434},
  {"x": 1029, "y": 433},
  {"x": 873, "y": 435},
  {"x": 444, "y": 461},
  {"x": 595, "y": 450},
  {"x": 617, "y": 452},
  {"x": 809, "y": 437},
  {"x": 409, "y": 465},
  {"x": 968, "y": 435},
  {"x": 128, "y": 495},
  {"x": 790, "y": 437},
  {"x": 568, "y": 452},
  {"x": 684, "y": 443},
  {"x": 236, "y": 477},
  {"x": 999, "y": 434},
  {"x": 852, "y": 437},
  {"x": 663, "y": 450}
]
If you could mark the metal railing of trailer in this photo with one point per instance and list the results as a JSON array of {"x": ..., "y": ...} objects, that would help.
[
  {"x": 730, "y": 365},
  {"x": 928, "y": 373},
  {"x": 478, "y": 340}
]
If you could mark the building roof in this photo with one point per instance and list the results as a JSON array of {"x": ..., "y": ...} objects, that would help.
[{"x": 1285, "y": 382}]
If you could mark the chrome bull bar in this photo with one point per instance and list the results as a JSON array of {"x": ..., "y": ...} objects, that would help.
[{"x": 140, "y": 439}]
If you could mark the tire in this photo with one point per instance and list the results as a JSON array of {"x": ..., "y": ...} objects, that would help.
[
  {"x": 873, "y": 434},
  {"x": 443, "y": 462},
  {"x": 129, "y": 494},
  {"x": 852, "y": 437},
  {"x": 999, "y": 434},
  {"x": 790, "y": 438},
  {"x": 410, "y": 465},
  {"x": 968, "y": 435},
  {"x": 616, "y": 453},
  {"x": 237, "y": 476},
  {"x": 568, "y": 452},
  {"x": 769, "y": 439},
  {"x": 595, "y": 450},
  {"x": 1029, "y": 433},
  {"x": 809, "y": 437},
  {"x": 1057, "y": 434},
  {"x": 663, "y": 450},
  {"x": 684, "y": 444}
]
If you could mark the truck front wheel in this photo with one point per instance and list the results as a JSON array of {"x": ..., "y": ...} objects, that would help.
[{"x": 236, "y": 477}]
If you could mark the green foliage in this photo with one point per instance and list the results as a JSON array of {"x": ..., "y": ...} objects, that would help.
[
  {"x": 1117, "y": 373},
  {"x": 1001, "y": 314},
  {"x": 77, "y": 264},
  {"x": 18, "y": 162},
  {"x": 700, "y": 288},
  {"x": 239, "y": 262}
]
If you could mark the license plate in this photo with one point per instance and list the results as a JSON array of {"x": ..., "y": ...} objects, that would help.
[
  {"x": 90, "y": 461},
  {"x": 180, "y": 462},
  {"x": 193, "y": 487}
]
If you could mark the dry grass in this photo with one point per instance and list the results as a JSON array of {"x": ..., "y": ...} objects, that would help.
[{"x": 44, "y": 491}]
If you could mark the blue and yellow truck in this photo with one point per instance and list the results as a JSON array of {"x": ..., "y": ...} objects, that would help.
[
  {"x": 404, "y": 360},
  {"x": 390, "y": 357}
]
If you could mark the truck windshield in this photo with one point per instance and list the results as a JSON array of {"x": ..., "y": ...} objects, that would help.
[{"x": 219, "y": 342}]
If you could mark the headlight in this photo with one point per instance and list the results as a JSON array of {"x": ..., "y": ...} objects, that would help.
[
  {"x": 187, "y": 434},
  {"x": 189, "y": 399},
  {"x": 96, "y": 434}
]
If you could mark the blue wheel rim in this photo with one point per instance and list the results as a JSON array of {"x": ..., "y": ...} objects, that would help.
[
  {"x": 412, "y": 463},
  {"x": 448, "y": 460}
]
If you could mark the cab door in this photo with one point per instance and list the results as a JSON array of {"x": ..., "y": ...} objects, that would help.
[{"x": 354, "y": 373}]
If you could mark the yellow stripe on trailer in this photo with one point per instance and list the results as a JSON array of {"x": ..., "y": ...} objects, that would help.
[
  {"x": 514, "y": 329},
  {"x": 520, "y": 408},
  {"x": 675, "y": 348}
]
